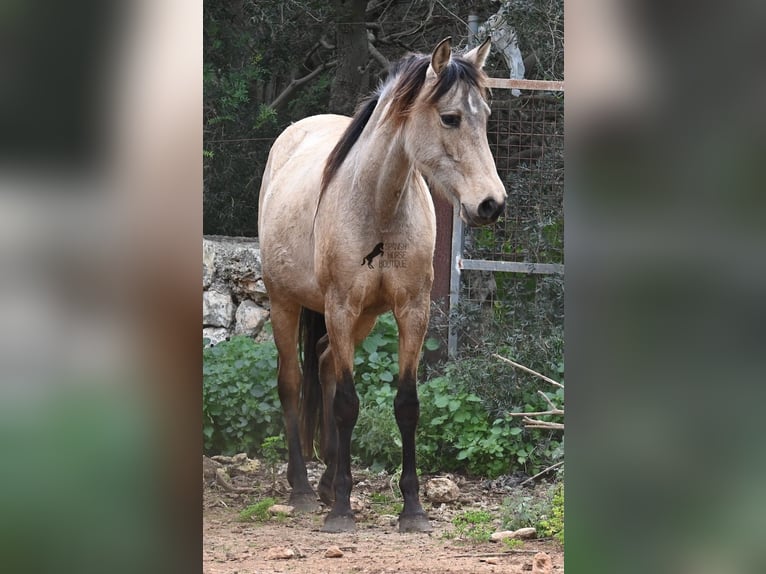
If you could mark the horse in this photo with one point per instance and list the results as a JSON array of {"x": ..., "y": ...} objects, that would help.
[{"x": 337, "y": 191}]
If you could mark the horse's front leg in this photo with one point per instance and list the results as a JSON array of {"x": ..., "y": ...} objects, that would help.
[
  {"x": 412, "y": 321},
  {"x": 340, "y": 328}
]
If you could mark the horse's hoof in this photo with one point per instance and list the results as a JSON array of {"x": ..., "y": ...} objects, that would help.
[
  {"x": 414, "y": 523},
  {"x": 339, "y": 523},
  {"x": 304, "y": 501}
]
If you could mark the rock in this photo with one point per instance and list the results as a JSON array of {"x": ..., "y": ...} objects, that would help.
[
  {"x": 250, "y": 319},
  {"x": 333, "y": 552},
  {"x": 209, "y": 467},
  {"x": 281, "y": 509},
  {"x": 252, "y": 288},
  {"x": 217, "y": 309},
  {"x": 521, "y": 533},
  {"x": 215, "y": 334},
  {"x": 542, "y": 564},
  {"x": 356, "y": 504},
  {"x": 208, "y": 263},
  {"x": 280, "y": 553},
  {"x": 441, "y": 489},
  {"x": 235, "y": 262},
  {"x": 223, "y": 459},
  {"x": 222, "y": 476},
  {"x": 247, "y": 466}
]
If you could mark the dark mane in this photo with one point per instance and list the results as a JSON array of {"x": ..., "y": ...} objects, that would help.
[{"x": 405, "y": 81}]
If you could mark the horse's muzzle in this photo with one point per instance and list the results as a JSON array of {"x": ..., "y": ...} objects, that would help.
[{"x": 489, "y": 210}]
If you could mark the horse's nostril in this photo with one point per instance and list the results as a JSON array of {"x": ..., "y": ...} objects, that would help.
[{"x": 490, "y": 209}]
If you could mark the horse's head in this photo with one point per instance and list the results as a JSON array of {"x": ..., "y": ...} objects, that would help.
[{"x": 446, "y": 133}]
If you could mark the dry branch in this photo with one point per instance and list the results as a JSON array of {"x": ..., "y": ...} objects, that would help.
[
  {"x": 297, "y": 83},
  {"x": 542, "y": 472},
  {"x": 221, "y": 479},
  {"x": 527, "y": 369},
  {"x": 534, "y": 423}
]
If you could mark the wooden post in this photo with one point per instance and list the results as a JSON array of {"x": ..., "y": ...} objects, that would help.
[{"x": 441, "y": 287}]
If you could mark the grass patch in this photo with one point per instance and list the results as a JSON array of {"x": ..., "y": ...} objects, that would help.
[
  {"x": 258, "y": 512},
  {"x": 386, "y": 504},
  {"x": 472, "y": 525}
]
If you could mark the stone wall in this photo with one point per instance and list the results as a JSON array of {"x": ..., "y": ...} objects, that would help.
[{"x": 234, "y": 298}]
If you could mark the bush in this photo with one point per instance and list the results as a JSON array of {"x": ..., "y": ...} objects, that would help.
[
  {"x": 545, "y": 514},
  {"x": 239, "y": 396},
  {"x": 457, "y": 431}
]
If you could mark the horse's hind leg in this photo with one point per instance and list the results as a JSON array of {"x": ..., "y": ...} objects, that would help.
[
  {"x": 284, "y": 320},
  {"x": 329, "y": 429},
  {"x": 412, "y": 321}
]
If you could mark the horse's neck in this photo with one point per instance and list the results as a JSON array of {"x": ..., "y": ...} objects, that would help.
[{"x": 382, "y": 174}]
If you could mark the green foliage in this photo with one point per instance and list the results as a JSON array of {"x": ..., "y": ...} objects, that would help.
[
  {"x": 456, "y": 432},
  {"x": 258, "y": 512},
  {"x": 239, "y": 397},
  {"x": 512, "y": 543},
  {"x": 474, "y": 525},
  {"x": 386, "y": 504},
  {"x": 273, "y": 452},
  {"x": 546, "y": 514},
  {"x": 553, "y": 524}
]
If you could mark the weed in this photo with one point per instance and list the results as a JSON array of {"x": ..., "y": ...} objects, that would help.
[
  {"x": 386, "y": 504},
  {"x": 273, "y": 452},
  {"x": 513, "y": 543},
  {"x": 258, "y": 512},
  {"x": 553, "y": 525},
  {"x": 545, "y": 514},
  {"x": 474, "y": 525}
]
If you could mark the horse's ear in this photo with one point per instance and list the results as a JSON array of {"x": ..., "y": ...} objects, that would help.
[
  {"x": 479, "y": 54},
  {"x": 440, "y": 56}
]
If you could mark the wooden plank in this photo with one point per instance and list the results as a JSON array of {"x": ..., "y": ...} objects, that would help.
[{"x": 508, "y": 83}]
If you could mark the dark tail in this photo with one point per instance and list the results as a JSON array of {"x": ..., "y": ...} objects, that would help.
[{"x": 312, "y": 329}]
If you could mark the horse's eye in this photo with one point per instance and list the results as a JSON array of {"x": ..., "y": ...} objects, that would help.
[{"x": 450, "y": 120}]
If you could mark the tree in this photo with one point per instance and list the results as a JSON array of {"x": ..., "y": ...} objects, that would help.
[{"x": 351, "y": 78}]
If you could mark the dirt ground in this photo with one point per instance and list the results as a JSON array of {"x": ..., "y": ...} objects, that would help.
[{"x": 234, "y": 546}]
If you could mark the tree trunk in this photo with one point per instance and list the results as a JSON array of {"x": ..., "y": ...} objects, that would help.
[{"x": 351, "y": 79}]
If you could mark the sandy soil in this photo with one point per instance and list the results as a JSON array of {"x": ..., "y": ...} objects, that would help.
[{"x": 232, "y": 546}]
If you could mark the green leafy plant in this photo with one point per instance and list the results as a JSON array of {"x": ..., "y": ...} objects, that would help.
[
  {"x": 273, "y": 453},
  {"x": 239, "y": 395},
  {"x": 258, "y": 512},
  {"x": 474, "y": 525},
  {"x": 553, "y": 525},
  {"x": 512, "y": 543},
  {"x": 545, "y": 513},
  {"x": 385, "y": 503},
  {"x": 521, "y": 510}
]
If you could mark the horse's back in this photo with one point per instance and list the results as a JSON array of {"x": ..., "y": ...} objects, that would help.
[
  {"x": 298, "y": 155},
  {"x": 288, "y": 200}
]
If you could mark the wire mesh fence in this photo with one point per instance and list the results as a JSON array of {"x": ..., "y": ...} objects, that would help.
[{"x": 507, "y": 292}]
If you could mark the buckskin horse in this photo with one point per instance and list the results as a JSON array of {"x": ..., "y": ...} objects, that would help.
[{"x": 334, "y": 189}]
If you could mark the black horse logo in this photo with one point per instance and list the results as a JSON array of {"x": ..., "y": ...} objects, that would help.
[{"x": 372, "y": 255}]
